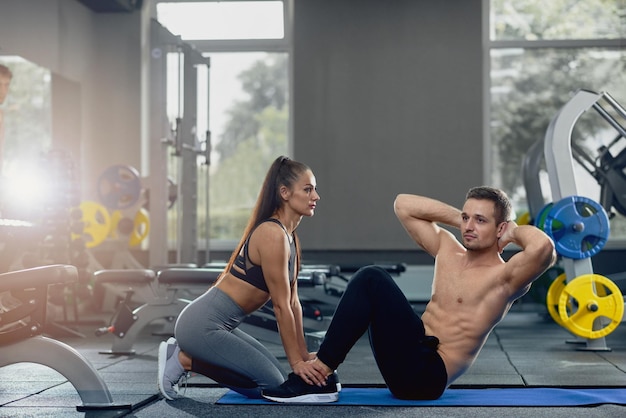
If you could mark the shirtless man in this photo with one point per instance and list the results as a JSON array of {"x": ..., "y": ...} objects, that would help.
[{"x": 473, "y": 289}]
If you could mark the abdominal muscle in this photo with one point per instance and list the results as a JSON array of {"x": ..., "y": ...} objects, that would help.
[{"x": 462, "y": 331}]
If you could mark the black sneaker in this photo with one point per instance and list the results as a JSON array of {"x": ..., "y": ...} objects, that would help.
[{"x": 296, "y": 390}]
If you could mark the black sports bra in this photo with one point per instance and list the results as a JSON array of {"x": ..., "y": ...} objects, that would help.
[{"x": 249, "y": 272}]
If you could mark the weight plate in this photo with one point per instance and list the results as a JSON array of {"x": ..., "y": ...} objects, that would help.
[
  {"x": 119, "y": 187},
  {"x": 523, "y": 219},
  {"x": 97, "y": 223},
  {"x": 541, "y": 216},
  {"x": 579, "y": 227},
  {"x": 136, "y": 230},
  {"x": 141, "y": 228},
  {"x": 591, "y": 306},
  {"x": 553, "y": 296}
]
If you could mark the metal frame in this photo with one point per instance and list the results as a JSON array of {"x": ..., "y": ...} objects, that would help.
[
  {"x": 560, "y": 167},
  {"x": 184, "y": 146}
]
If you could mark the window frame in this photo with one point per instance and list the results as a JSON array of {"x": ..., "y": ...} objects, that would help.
[{"x": 207, "y": 47}]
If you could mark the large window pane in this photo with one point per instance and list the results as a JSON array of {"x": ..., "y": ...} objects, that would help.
[
  {"x": 25, "y": 119},
  {"x": 249, "y": 118},
  {"x": 557, "y": 19},
  {"x": 529, "y": 86},
  {"x": 247, "y": 105},
  {"x": 216, "y": 20}
]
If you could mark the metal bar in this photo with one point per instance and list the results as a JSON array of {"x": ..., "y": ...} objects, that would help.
[{"x": 619, "y": 128}]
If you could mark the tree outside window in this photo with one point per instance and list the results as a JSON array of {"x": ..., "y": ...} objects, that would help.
[{"x": 541, "y": 54}]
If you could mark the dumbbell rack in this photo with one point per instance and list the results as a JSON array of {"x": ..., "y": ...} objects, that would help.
[{"x": 560, "y": 166}]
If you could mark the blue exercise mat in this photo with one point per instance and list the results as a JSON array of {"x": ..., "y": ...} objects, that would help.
[{"x": 466, "y": 397}]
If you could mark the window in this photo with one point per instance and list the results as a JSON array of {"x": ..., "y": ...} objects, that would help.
[
  {"x": 541, "y": 53},
  {"x": 25, "y": 118},
  {"x": 223, "y": 19},
  {"x": 248, "y": 43}
]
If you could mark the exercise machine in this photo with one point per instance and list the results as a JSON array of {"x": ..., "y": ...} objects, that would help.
[
  {"x": 166, "y": 292},
  {"x": 584, "y": 302},
  {"x": 178, "y": 148}
]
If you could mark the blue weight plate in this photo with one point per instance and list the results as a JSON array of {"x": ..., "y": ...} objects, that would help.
[
  {"x": 541, "y": 216},
  {"x": 119, "y": 187},
  {"x": 579, "y": 227}
]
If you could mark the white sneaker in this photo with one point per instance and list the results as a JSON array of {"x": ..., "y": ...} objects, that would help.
[{"x": 170, "y": 370}]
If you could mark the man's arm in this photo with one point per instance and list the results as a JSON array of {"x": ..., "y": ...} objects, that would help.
[
  {"x": 420, "y": 215},
  {"x": 536, "y": 256}
]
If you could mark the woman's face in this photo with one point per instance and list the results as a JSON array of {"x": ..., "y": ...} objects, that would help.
[{"x": 303, "y": 196}]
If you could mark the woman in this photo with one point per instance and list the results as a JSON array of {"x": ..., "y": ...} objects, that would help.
[{"x": 264, "y": 266}]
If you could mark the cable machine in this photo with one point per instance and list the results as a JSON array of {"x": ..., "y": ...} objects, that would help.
[{"x": 175, "y": 145}]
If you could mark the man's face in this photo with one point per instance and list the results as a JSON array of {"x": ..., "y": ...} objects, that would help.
[
  {"x": 478, "y": 224},
  {"x": 4, "y": 87}
]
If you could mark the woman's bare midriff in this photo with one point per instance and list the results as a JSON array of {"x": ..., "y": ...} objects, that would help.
[{"x": 248, "y": 297}]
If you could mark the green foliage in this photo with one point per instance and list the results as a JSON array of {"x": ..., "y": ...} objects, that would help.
[
  {"x": 27, "y": 113},
  {"x": 557, "y": 19},
  {"x": 531, "y": 85},
  {"x": 254, "y": 136},
  {"x": 228, "y": 223},
  {"x": 544, "y": 81},
  {"x": 266, "y": 85}
]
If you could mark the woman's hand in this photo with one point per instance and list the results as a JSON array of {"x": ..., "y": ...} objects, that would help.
[{"x": 312, "y": 372}]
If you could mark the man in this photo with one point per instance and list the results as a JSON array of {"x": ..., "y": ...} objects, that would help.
[
  {"x": 5, "y": 81},
  {"x": 473, "y": 289}
]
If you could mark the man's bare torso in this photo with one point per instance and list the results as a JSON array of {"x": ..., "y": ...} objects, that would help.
[{"x": 467, "y": 302}]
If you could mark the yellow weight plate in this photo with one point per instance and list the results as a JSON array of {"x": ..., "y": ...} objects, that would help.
[
  {"x": 523, "y": 219},
  {"x": 141, "y": 228},
  {"x": 594, "y": 302},
  {"x": 553, "y": 296},
  {"x": 96, "y": 221}
]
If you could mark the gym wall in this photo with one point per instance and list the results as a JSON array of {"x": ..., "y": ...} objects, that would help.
[
  {"x": 95, "y": 61},
  {"x": 387, "y": 99}
]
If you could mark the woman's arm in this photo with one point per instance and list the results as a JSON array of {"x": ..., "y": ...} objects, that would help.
[
  {"x": 296, "y": 308},
  {"x": 273, "y": 249}
]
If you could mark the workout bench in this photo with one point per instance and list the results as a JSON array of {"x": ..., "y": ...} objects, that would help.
[
  {"x": 166, "y": 294},
  {"x": 22, "y": 326}
]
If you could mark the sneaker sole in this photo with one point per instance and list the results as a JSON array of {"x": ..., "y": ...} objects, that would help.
[
  {"x": 162, "y": 359},
  {"x": 308, "y": 398}
]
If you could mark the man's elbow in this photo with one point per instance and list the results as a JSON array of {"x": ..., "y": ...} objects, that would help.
[
  {"x": 399, "y": 204},
  {"x": 547, "y": 253}
]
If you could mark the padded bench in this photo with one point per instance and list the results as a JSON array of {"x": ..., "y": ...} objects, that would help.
[
  {"x": 23, "y": 323},
  {"x": 166, "y": 293}
]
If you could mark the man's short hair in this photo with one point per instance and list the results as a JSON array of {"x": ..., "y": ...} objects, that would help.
[{"x": 502, "y": 204}]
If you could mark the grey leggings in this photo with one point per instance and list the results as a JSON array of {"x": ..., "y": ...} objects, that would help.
[{"x": 207, "y": 331}]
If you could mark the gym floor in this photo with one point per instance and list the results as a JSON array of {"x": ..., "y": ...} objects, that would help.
[{"x": 526, "y": 349}]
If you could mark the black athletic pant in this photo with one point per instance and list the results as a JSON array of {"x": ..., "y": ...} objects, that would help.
[{"x": 406, "y": 357}]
